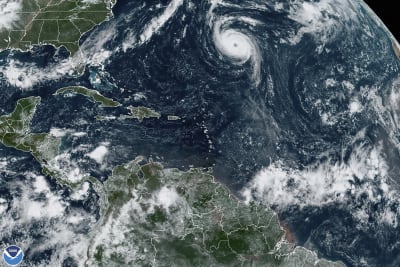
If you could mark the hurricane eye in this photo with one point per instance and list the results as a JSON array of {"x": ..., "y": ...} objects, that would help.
[{"x": 236, "y": 44}]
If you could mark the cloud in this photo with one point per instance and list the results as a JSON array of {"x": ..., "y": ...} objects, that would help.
[
  {"x": 365, "y": 174},
  {"x": 46, "y": 222},
  {"x": 323, "y": 19},
  {"x": 152, "y": 27},
  {"x": 98, "y": 153},
  {"x": 8, "y": 13},
  {"x": 316, "y": 185},
  {"x": 167, "y": 197},
  {"x": 67, "y": 168},
  {"x": 25, "y": 75}
]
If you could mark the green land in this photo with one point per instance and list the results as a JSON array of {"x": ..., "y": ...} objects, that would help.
[
  {"x": 168, "y": 217},
  {"x": 93, "y": 94},
  {"x": 165, "y": 217},
  {"x": 15, "y": 132},
  {"x": 140, "y": 113},
  {"x": 173, "y": 118},
  {"x": 55, "y": 22}
]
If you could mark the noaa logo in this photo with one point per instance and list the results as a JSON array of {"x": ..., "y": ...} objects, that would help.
[{"x": 13, "y": 255}]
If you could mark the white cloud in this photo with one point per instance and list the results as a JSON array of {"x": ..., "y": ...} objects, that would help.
[
  {"x": 348, "y": 85},
  {"x": 323, "y": 19},
  {"x": 3, "y": 163},
  {"x": 98, "y": 153},
  {"x": 67, "y": 168},
  {"x": 75, "y": 219},
  {"x": 92, "y": 50},
  {"x": 3, "y": 205},
  {"x": 40, "y": 185},
  {"x": 317, "y": 185},
  {"x": 126, "y": 221},
  {"x": 158, "y": 22},
  {"x": 129, "y": 42},
  {"x": 355, "y": 107},
  {"x": 330, "y": 82},
  {"x": 52, "y": 206},
  {"x": 44, "y": 211},
  {"x": 394, "y": 100},
  {"x": 57, "y": 132},
  {"x": 152, "y": 27},
  {"x": 79, "y": 134},
  {"x": 8, "y": 13},
  {"x": 81, "y": 193},
  {"x": 90, "y": 2},
  {"x": 361, "y": 183},
  {"x": 26, "y": 75},
  {"x": 237, "y": 45},
  {"x": 167, "y": 197},
  {"x": 61, "y": 132}
]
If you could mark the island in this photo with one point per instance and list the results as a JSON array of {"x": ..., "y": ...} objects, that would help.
[
  {"x": 92, "y": 94},
  {"x": 173, "y": 118},
  {"x": 140, "y": 113},
  {"x": 54, "y": 22},
  {"x": 163, "y": 216}
]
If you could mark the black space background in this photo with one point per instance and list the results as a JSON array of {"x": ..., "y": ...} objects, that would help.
[{"x": 388, "y": 13}]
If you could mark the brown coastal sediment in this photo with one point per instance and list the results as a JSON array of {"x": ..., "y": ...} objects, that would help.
[
  {"x": 396, "y": 49},
  {"x": 289, "y": 235}
]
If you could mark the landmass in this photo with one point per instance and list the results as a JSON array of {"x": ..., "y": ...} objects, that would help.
[
  {"x": 54, "y": 22},
  {"x": 93, "y": 94},
  {"x": 164, "y": 217},
  {"x": 15, "y": 132},
  {"x": 168, "y": 217},
  {"x": 173, "y": 118},
  {"x": 141, "y": 113}
]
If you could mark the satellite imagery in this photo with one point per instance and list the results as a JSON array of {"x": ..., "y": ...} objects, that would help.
[{"x": 198, "y": 133}]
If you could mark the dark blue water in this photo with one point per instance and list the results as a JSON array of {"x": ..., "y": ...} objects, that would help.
[{"x": 228, "y": 121}]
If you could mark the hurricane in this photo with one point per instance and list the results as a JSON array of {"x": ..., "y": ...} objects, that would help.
[
  {"x": 237, "y": 45},
  {"x": 175, "y": 127}
]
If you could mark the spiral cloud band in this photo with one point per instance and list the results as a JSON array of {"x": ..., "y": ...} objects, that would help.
[{"x": 236, "y": 43}]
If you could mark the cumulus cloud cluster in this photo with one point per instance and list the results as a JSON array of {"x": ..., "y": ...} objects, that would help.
[
  {"x": 364, "y": 174},
  {"x": 9, "y": 13},
  {"x": 26, "y": 74},
  {"x": 321, "y": 18},
  {"x": 46, "y": 221}
]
